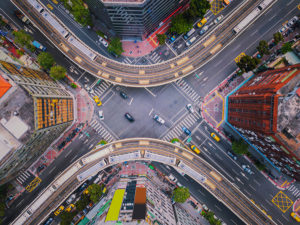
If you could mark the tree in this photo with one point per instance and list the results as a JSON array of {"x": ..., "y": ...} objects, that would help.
[
  {"x": 197, "y": 9},
  {"x": 67, "y": 217},
  {"x": 22, "y": 38},
  {"x": 287, "y": 47},
  {"x": 248, "y": 63},
  {"x": 83, "y": 202},
  {"x": 180, "y": 25},
  {"x": 161, "y": 38},
  {"x": 277, "y": 37},
  {"x": 115, "y": 46},
  {"x": 263, "y": 48},
  {"x": 57, "y": 72},
  {"x": 46, "y": 60},
  {"x": 181, "y": 194},
  {"x": 95, "y": 192},
  {"x": 240, "y": 147}
]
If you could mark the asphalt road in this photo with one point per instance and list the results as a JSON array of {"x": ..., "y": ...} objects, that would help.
[{"x": 169, "y": 101}]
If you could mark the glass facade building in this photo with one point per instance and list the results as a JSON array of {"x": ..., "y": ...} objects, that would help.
[{"x": 135, "y": 19}]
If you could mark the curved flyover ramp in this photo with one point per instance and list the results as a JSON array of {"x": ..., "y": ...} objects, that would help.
[{"x": 142, "y": 149}]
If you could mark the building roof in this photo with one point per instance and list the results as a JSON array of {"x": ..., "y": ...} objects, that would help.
[
  {"x": 140, "y": 195},
  {"x": 16, "y": 126},
  {"x": 4, "y": 86},
  {"x": 115, "y": 206},
  {"x": 139, "y": 212}
]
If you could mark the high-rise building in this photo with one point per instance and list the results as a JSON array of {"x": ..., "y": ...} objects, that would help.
[
  {"x": 32, "y": 116},
  {"x": 266, "y": 109},
  {"x": 134, "y": 19}
]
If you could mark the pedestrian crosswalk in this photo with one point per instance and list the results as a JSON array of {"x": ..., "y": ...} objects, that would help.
[
  {"x": 188, "y": 122},
  {"x": 102, "y": 131},
  {"x": 295, "y": 191},
  {"x": 188, "y": 90},
  {"x": 155, "y": 57},
  {"x": 127, "y": 60},
  {"x": 24, "y": 178},
  {"x": 101, "y": 88}
]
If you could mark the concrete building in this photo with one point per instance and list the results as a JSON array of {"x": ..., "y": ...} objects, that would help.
[
  {"x": 183, "y": 217},
  {"x": 34, "y": 112},
  {"x": 266, "y": 110},
  {"x": 134, "y": 19}
]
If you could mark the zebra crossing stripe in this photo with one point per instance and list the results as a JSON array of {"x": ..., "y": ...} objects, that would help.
[{"x": 295, "y": 192}]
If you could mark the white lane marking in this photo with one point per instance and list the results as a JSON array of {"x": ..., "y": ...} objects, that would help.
[
  {"x": 247, "y": 192},
  {"x": 255, "y": 181},
  {"x": 252, "y": 187},
  {"x": 218, "y": 208},
  {"x": 233, "y": 221},
  {"x": 235, "y": 171},
  {"x": 271, "y": 17},
  {"x": 150, "y": 92},
  {"x": 150, "y": 111},
  {"x": 201, "y": 192},
  {"x": 130, "y": 101},
  {"x": 20, "y": 202},
  {"x": 238, "y": 179},
  {"x": 268, "y": 202},
  {"x": 73, "y": 158},
  {"x": 52, "y": 169},
  {"x": 285, "y": 217},
  {"x": 289, "y": 2},
  {"x": 68, "y": 153}
]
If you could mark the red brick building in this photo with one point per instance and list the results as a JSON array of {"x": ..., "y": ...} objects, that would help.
[{"x": 267, "y": 110}]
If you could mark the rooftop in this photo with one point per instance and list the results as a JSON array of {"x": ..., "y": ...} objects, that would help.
[{"x": 123, "y": 1}]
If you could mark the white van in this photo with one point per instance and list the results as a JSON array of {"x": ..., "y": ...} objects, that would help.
[
  {"x": 189, "y": 42},
  {"x": 188, "y": 34}
]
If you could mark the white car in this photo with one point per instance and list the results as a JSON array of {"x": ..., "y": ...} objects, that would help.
[
  {"x": 104, "y": 42},
  {"x": 283, "y": 29},
  {"x": 101, "y": 115},
  {"x": 71, "y": 199},
  {"x": 158, "y": 119},
  {"x": 292, "y": 21},
  {"x": 218, "y": 19},
  {"x": 190, "y": 108},
  {"x": 247, "y": 169}
]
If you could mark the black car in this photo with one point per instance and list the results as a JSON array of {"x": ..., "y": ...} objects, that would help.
[
  {"x": 129, "y": 117},
  {"x": 123, "y": 95}
]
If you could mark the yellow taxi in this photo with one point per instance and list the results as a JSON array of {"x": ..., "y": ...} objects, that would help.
[
  {"x": 214, "y": 136},
  {"x": 86, "y": 191},
  {"x": 97, "y": 100},
  {"x": 195, "y": 149},
  {"x": 59, "y": 210},
  {"x": 70, "y": 207},
  {"x": 55, "y": 2},
  {"x": 50, "y": 6},
  {"x": 202, "y": 22},
  {"x": 295, "y": 216}
]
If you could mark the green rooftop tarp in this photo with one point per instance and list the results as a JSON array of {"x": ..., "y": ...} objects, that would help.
[{"x": 84, "y": 221}]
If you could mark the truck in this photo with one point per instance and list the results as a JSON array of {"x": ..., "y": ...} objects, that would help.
[
  {"x": 39, "y": 45},
  {"x": 22, "y": 17}
]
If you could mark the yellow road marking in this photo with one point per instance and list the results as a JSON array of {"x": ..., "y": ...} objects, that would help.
[
  {"x": 153, "y": 41},
  {"x": 282, "y": 201},
  {"x": 299, "y": 6},
  {"x": 216, "y": 6},
  {"x": 209, "y": 41},
  {"x": 283, "y": 183},
  {"x": 238, "y": 58},
  {"x": 222, "y": 108},
  {"x": 181, "y": 61},
  {"x": 216, "y": 176},
  {"x": 33, "y": 184},
  {"x": 215, "y": 49},
  {"x": 187, "y": 69},
  {"x": 210, "y": 184}
]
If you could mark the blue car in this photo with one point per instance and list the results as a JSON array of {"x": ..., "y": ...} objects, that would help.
[
  {"x": 187, "y": 131},
  {"x": 49, "y": 221}
]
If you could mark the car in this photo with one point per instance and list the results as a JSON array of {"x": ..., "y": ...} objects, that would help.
[
  {"x": 218, "y": 19},
  {"x": 97, "y": 100},
  {"x": 71, "y": 199},
  {"x": 204, "y": 207},
  {"x": 179, "y": 184},
  {"x": 195, "y": 149},
  {"x": 186, "y": 131},
  {"x": 129, "y": 117},
  {"x": 83, "y": 187},
  {"x": 96, "y": 180},
  {"x": 158, "y": 119},
  {"x": 201, "y": 23},
  {"x": 283, "y": 29},
  {"x": 247, "y": 169},
  {"x": 292, "y": 21},
  {"x": 70, "y": 207},
  {"x": 233, "y": 156},
  {"x": 190, "y": 108},
  {"x": 55, "y": 2},
  {"x": 59, "y": 210},
  {"x": 214, "y": 136},
  {"x": 193, "y": 204},
  {"x": 173, "y": 38},
  {"x": 203, "y": 30},
  {"x": 49, "y": 221},
  {"x": 50, "y": 6},
  {"x": 104, "y": 42},
  {"x": 172, "y": 178},
  {"x": 101, "y": 115},
  {"x": 295, "y": 217},
  {"x": 123, "y": 95}
]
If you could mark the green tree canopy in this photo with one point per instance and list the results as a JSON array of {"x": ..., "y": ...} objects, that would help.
[
  {"x": 95, "y": 192},
  {"x": 240, "y": 147},
  {"x": 277, "y": 37},
  {"x": 181, "y": 194},
  {"x": 248, "y": 63},
  {"x": 67, "y": 217},
  {"x": 58, "y": 72},
  {"x": 180, "y": 25},
  {"x": 263, "y": 48},
  {"x": 83, "y": 202},
  {"x": 45, "y": 59},
  {"x": 115, "y": 46},
  {"x": 286, "y": 47},
  {"x": 22, "y": 38},
  {"x": 161, "y": 38},
  {"x": 197, "y": 9}
]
